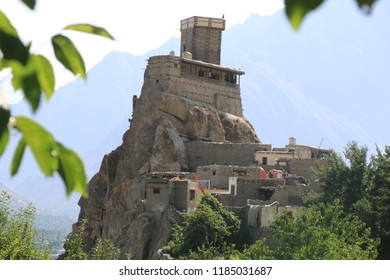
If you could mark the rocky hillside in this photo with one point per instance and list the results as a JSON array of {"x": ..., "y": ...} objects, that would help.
[{"x": 154, "y": 142}]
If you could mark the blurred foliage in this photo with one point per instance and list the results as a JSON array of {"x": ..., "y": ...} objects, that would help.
[
  {"x": 296, "y": 10},
  {"x": 33, "y": 74}
]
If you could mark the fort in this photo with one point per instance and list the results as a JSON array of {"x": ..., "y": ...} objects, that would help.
[
  {"x": 253, "y": 179},
  {"x": 188, "y": 136}
]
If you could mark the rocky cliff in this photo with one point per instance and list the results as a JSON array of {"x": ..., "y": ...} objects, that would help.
[{"x": 161, "y": 123}]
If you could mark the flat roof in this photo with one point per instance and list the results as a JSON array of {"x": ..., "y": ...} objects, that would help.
[
  {"x": 214, "y": 66},
  {"x": 202, "y": 22}
]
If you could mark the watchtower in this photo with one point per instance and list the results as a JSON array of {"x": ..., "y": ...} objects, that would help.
[{"x": 202, "y": 37}]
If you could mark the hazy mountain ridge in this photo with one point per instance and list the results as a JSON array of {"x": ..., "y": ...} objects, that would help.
[{"x": 322, "y": 82}]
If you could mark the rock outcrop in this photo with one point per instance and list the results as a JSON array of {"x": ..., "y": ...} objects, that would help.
[{"x": 161, "y": 123}]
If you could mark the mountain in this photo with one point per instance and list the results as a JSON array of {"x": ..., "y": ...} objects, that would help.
[
  {"x": 327, "y": 81},
  {"x": 15, "y": 200},
  {"x": 326, "y": 84}
]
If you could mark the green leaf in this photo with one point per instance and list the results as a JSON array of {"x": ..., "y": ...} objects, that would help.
[
  {"x": 25, "y": 78},
  {"x": 10, "y": 44},
  {"x": 68, "y": 55},
  {"x": 4, "y": 131},
  {"x": 366, "y": 5},
  {"x": 41, "y": 142},
  {"x": 30, "y": 3},
  {"x": 71, "y": 170},
  {"x": 296, "y": 10},
  {"x": 6, "y": 26},
  {"x": 45, "y": 74},
  {"x": 4, "y": 118},
  {"x": 18, "y": 156},
  {"x": 88, "y": 28},
  {"x": 4, "y": 139}
]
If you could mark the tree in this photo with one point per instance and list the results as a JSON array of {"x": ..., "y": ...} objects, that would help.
[
  {"x": 322, "y": 232},
  {"x": 378, "y": 194},
  {"x": 256, "y": 251},
  {"x": 296, "y": 10},
  {"x": 209, "y": 226},
  {"x": 18, "y": 237},
  {"x": 344, "y": 181},
  {"x": 104, "y": 249},
  {"x": 33, "y": 75},
  {"x": 74, "y": 245},
  {"x": 362, "y": 187}
]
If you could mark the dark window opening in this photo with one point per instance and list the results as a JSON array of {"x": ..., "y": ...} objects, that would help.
[
  {"x": 214, "y": 172},
  {"x": 230, "y": 78},
  {"x": 233, "y": 189},
  {"x": 192, "y": 195},
  {"x": 156, "y": 190},
  {"x": 266, "y": 194},
  {"x": 264, "y": 160}
]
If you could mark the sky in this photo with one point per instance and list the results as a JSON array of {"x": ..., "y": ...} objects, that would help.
[{"x": 138, "y": 26}]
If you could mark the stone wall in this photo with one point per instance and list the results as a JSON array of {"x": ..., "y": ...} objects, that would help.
[
  {"x": 165, "y": 72},
  {"x": 208, "y": 153},
  {"x": 158, "y": 194},
  {"x": 261, "y": 216},
  {"x": 248, "y": 189},
  {"x": 290, "y": 195},
  {"x": 305, "y": 168},
  {"x": 180, "y": 195},
  {"x": 163, "y": 192},
  {"x": 222, "y": 95},
  {"x": 252, "y": 189},
  {"x": 218, "y": 175}
]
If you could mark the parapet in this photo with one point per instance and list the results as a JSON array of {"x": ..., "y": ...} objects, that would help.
[{"x": 208, "y": 83}]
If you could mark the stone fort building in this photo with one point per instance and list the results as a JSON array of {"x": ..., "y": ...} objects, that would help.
[
  {"x": 187, "y": 136},
  {"x": 230, "y": 171}
]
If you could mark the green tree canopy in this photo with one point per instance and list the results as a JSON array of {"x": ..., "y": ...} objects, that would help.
[
  {"x": 343, "y": 180},
  {"x": 210, "y": 225},
  {"x": 362, "y": 186},
  {"x": 322, "y": 232},
  {"x": 18, "y": 237},
  {"x": 104, "y": 249}
]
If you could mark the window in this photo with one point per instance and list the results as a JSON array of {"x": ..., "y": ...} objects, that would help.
[
  {"x": 156, "y": 190},
  {"x": 265, "y": 194},
  {"x": 192, "y": 195},
  {"x": 233, "y": 190},
  {"x": 214, "y": 172},
  {"x": 264, "y": 160}
]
